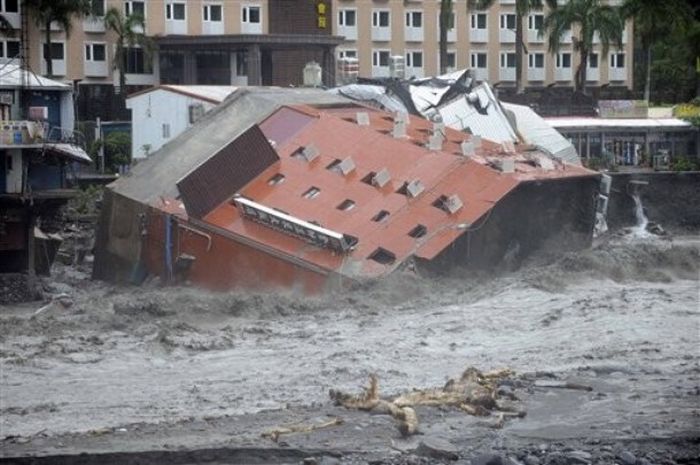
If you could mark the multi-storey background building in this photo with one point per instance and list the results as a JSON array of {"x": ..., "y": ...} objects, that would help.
[
  {"x": 268, "y": 42},
  {"x": 483, "y": 40}
]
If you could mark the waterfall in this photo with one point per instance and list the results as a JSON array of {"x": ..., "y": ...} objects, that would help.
[{"x": 642, "y": 220}]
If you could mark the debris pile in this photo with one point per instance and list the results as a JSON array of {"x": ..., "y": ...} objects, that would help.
[{"x": 475, "y": 393}]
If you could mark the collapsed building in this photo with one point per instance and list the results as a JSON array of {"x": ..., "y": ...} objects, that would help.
[
  {"x": 305, "y": 189},
  {"x": 38, "y": 154}
]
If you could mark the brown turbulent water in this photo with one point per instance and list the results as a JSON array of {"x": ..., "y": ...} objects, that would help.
[{"x": 625, "y": 313}]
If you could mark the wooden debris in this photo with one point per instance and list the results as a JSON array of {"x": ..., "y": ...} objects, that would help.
[{"x": 275, "y": 433}]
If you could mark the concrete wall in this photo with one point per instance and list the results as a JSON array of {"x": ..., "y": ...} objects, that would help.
[
  {"x": 670, "y": 199},
  {"x": 549, "y": 216},
  {"x": 150, "y": 111}
]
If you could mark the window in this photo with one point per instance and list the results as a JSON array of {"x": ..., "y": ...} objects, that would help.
[
  {"x": 617, "y": 60},
  {"x": 414, "y": 59},
  {"x": 383, "y": 256},
  {"x": 380, "y": 18},
  {"x": 536, "y": 60},
  {"x": 418, "y": 231},
  {"x": 276, "y": 179},
  {"x": 478, "y": 60},
  {"x": 57, "y": 52},
  {"x": 593, "y": 60},
  {"x": 97, "y": 7},
  {"x": 508, "y": 21},
  {"x": 535, "y": 22},
  {"x": 95, "y": 52},
  {"x": 478, "y": 21},
  {"x": 451, "y": 60},
  {"x": 251, "y": 14},
  {"x": 175, "y": 11},
  {"x": 135, "y": 8},
  {"x": 507, "y": 60},
  {"x": 347, "y": 18},
  {"x": 136, "y": 61},
  {"x": 346, "y": 205},
  {"x": 414, "y": 19},
  {"x": 380, "y": 58},
  {"x": 212, "y": 13},
  {"x": 564, "y": 60},
  {"x": 166, "y": 131},
  {"x": 381, "y": 216},
  {"x": 10, "y": 6},
  {"x": 9, "y": 49},
  {"x": 347, "y": 53},
  {"x": 311, "y": 193}
]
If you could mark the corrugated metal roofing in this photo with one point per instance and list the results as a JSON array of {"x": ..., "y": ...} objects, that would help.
[
  {"x": 536, "y": 131},
  {"x": 213, "y": 94},
  {"x": 586, "y": 123},
  {"x": 13, "y": 76}
]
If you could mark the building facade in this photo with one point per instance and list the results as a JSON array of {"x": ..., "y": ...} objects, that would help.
[
  {"x": 268, "y": 42},
  {"x": 482, "y": 40}
]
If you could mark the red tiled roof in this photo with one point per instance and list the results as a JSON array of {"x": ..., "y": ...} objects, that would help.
[{"x": 336, "y": 135}]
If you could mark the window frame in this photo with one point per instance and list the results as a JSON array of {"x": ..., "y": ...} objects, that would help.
[
  {"x": 206, "y": 12},
  {"x": 89, "y": 52},
  {"x": 245, "y": 14},
  {"x": 170, "y": 10}
]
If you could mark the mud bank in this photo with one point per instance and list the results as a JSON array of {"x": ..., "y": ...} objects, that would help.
[{"x": 167, "y": 369}]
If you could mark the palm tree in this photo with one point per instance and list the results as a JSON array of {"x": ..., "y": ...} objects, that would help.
[
  {"x": 129, "y": 31},
  {"x": 5, "y": 26},
  {"x": 62, "y": 12},
  {"x": 590, "y": 16},
  {"x": 653, "y": 20}
]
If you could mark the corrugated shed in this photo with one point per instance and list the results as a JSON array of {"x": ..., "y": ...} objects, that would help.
[{"x": 225, "y": 173}]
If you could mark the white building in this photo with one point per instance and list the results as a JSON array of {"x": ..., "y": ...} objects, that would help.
[{"x": 161, "y": 113}]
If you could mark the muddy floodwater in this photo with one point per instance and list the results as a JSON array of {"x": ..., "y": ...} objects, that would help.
[{"x": 623, "y": 317}]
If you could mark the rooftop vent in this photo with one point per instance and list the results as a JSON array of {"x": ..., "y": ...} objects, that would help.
[
  {"x": 308, "y": 153},
  {"x": 346, "y": 205},
  {"x": 276, "y": 179},
  {"x": 402, "y": 116},
  {"x": 411, "y": 189},
  {"x": 383, "y": 256},
  {"x": 546, "y": 164},
  {"x": 507, "y": 147},
  {"x": 362, "y": 118},
  {"x": 476, "y": 140},
  {"x": 381, "y": 178},
  {"x": 311, "y": 193},
  {"x": 505, "y": 165},
  {"x": 435, "y": 141},
  {"x": 468, "y": 149},
  {"x": 343, "y": 167},
  {"x": 451, "y": 204},
  {"x": 399, "y": 129}
]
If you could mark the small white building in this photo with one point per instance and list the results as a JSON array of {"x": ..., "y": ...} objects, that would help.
[{"x": 161, "y": 113}]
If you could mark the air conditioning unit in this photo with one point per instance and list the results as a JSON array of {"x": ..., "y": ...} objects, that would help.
[
  {"x": 6, "y": 98},
  {"x": 196, "y": 112},
  {"x": 38, "y": 113}
]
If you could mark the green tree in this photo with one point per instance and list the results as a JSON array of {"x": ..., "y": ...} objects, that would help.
[
  {"x": 62, "y": 12},
  {"x": 522, "y": 9},
  {"x": 5, "y": 26},
  {"x": 590, "y": 17},
  {"x": 654, "y": 20},
  {"x": 129, "y": 30}
]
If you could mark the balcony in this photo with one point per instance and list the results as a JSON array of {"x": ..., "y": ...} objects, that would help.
[
  {"x": 482, "y": 74},
  {"x": 175, "y": 27},
  {"x": 535, "y": 74},
  {"x": 251, "y": 28},
  {"x": 13, "y": 19},
  {"x": 381, "y": 33},
  {"x": 94, "y": 24},
  {"x": 562, "y": 74},
  {"x": 349, "y": 32},
  {"x": 566, "y": 37},
  {"x": 533, "y": 36},
  {"x": 617, "y": 74},
  {"x": 413, "y": 34},
  {"x": 592, "y": 74},
  {"x": 506, "y": 36},
  {"x": 59, "y": 67},
  {"x": 451, "y": 33},
  {"x": 380, "y": 71},
  {"x": 212, "y": 27},
  {"x": 480, "y": 35},
  {"x": 96, "y": 68},
  {"x": 506, "y": 74}
]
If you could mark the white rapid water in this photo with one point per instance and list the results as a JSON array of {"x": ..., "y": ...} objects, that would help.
[{"x": 642, "y": 221}]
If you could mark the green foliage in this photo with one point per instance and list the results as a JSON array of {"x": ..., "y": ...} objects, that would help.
[
  {"x": 129, "y": 31},
  {"x": 117, "y": 147},
  {"x": 85, "y": 203},
  {"x": 684, "y": 164}
]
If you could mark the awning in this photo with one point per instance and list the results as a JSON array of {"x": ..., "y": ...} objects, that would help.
[{"x": 69, "y": 151}]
